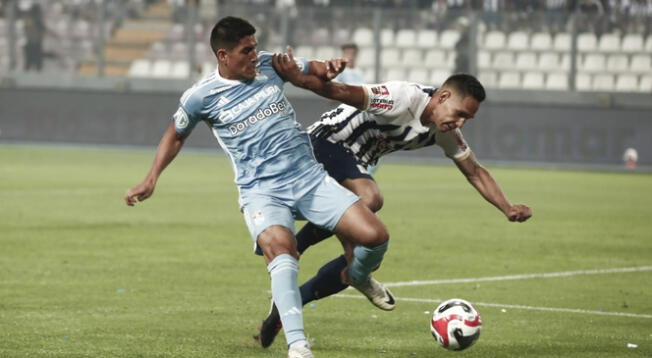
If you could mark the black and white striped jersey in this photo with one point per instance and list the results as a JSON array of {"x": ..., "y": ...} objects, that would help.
[{"x": 389, "y": 122}]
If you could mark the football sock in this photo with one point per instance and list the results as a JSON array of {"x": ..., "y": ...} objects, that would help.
[
  {"x": 365, "y": 260},
  {"x": 283, "y": 270},
  {"x": 326, "y": 282},
  {"x": 309, "y": 235}
]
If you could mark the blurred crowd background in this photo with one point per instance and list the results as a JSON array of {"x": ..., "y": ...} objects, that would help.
[{"x": 585, "y": 45}]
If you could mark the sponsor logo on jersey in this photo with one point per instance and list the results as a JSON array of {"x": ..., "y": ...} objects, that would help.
[
  {"x": 231, "y": 113},
  {"x": 382, "y": 103},
  {"x": 223, "y": 101},
  {"x": 260, "y": 115},
  {"x": 380, "y": 90},
  {"x": 181, "y": 119}
]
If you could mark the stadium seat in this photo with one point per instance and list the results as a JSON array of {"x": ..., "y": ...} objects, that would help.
[
  {"x": 390, "y": 56},
  {"x": 320, "y": 37},
  {"x": 437, "y": 77},
  {"x": 583, "y": 82},
  {"x": 648, "y": 44},
  {"x": 325, "y": 53},
  {"x": 418, "y": 75},
  {"x": 562, "y": 42},
  {"x": 557, "y": 81},
  {"x": 488, "y": 79},
  {"x": 609, "y": 43},
  {"x": 412, "y": 57},
  {"x": 533, "y": 80},
  {"x": 493, "y": 40},
  {"x": 386, "y": 37},
  {"x": 484, "y": 59},
  {"x": 549, "y": 61},
  {"x": 139, "y": 68},
  {"x": 448, "y": 39},
  {"x": 517, "y": 40},
  {"x": 161, "y": 69},
  {"x": 363, "y": 37},
  {"x": 541, "y": 41},
  {"x": 203, "y": 52},
  {"x": 304, "y": 51},
  {"x": 180, "y": 69},
  {"x": 617, "y": 63},
  {"x": 178, "y": 51},
  {"x": 627, "y": 83},
  {"x": 593, "y": 62},
  {"x": 175, "y": 33},
  {"x": 81, "y": 29},
  {"x": 587, "y": 42},
  {"x": 603, "y": 82},
  {"x": 641, "y": 64},
  {"x": 406, "y": 38},
  {"x": 435, "y": 59},
  {"x": 645, "y": 84},
  {"x": 526, "y": 60},
  {"x": 632, "y": 43},
  {"x": 427, "y": 39},
  {"x": 366, "y": 57},
  {"x": 503, "y": 61},
  {"x": 341, "y": 36},
  {"x": 395, "y": 74},
  {"x": 565, "y": 63},
  {"x": 157, "y": 50},
  {"x": 509, "y": 79}
]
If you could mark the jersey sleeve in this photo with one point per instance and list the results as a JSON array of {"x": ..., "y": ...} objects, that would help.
[
  {"x": 453, "y": 144},
  {"x": 188, "y": 114},
  {"x": 265, "y": 62},
  {"x": 388, "y": 99}
]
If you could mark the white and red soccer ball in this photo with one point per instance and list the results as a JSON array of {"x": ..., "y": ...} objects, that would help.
[{"x": 456, "y": 324}]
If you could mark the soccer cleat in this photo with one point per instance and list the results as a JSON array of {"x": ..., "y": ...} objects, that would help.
[
  {"x": 302, "y": 351},
  {"x": 269, "y": 328},
  {"x": 378, "y": 294}
]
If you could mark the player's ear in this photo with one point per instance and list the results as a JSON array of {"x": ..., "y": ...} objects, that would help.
[
  {"x": 444, "y": 95},
  {"x": 222, "y": 55}
]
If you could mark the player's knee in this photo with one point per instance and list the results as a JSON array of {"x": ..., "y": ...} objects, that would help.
[
  {"x": 373, "y": 200},
  {"x": 374, "y": 236}
]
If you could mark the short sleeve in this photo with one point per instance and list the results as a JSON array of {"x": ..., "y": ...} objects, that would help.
[
  {"x": 453, "y": 144},
  {"x": 187, "y": 115},
  {"x": 388, "y": 99}
]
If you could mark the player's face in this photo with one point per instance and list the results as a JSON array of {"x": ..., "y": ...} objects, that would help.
[
  {"x": 448, "y": 110},
  {"x": 239, "y": 63}
]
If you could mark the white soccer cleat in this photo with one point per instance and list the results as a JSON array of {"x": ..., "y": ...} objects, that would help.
[
  {"x": 378, "y": 294},
  {"x": 302, "y": 351}
]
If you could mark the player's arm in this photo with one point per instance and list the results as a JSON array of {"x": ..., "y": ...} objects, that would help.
[
  {"x": 167, "y": 150},
  {"x": 318, "y": 79},
  {"x": 485, "y": 184}
]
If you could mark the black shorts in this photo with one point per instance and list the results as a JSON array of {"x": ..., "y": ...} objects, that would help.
[{"x": 338, "y": 161}]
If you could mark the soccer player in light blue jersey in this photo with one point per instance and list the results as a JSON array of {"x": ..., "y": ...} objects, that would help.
[{"x": 276, "y": 173}]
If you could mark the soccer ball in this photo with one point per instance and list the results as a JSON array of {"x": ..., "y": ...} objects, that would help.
[{"x": 455, "y": 324}]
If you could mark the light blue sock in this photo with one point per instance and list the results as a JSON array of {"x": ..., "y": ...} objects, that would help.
[
  {"x": 283, "y": 270},
  {"x": 365, "y": 260}
]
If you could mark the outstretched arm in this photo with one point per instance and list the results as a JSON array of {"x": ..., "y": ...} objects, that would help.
[
  {"x": 485, "y": 184},
  {"x": 318, "y": 79},
  {"x": 167, "y": 150}
]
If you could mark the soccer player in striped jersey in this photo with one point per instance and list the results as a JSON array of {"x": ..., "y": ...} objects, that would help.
[
  {"x": 373, "y": 121},
  {"x": 277, "y": 176}
]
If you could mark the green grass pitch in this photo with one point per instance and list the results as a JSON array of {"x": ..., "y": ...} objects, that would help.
[{"x": 83, "y": 275}]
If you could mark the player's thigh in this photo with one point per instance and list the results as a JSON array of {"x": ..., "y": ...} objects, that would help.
[
  {"x": 367, "y": 190},
  {"x": 263, "y": 212},
  {"x": 326, "y": 203},
  {"x": 361, "y": 226},
  {"x": 277, "y": 240}
]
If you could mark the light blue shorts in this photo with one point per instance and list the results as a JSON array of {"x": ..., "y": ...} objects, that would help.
[{"x": 322, "y": 202}]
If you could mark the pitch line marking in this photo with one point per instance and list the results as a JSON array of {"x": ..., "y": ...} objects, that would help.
[
  {"x": 520, "y": 307},
  {"x": 521, "y": 277}
]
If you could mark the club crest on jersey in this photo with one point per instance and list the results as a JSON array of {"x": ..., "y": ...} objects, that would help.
[
  {"x": 181, "y": 119},
  {"x": 380, "y": 90}
]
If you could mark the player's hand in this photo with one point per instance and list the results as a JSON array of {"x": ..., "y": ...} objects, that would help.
[
  {"x": 519, "y": 213},
  {"x": 334, "y": 67},
  {"x": 286, "y": 66},
  {"x": 138, "y": 193}
]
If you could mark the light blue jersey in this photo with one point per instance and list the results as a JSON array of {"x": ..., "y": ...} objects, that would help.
[{"x": 253, "y": 122}]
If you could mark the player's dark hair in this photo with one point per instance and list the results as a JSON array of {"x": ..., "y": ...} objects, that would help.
[
  {"x": 466, "y": 85},
  {"x": 350, "y": 46},
  {"x": 228, "y": 32}
]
